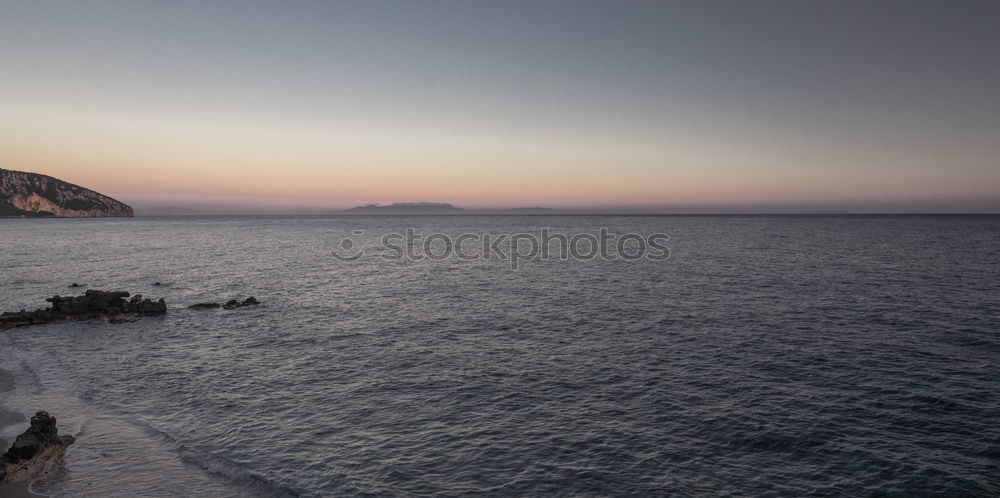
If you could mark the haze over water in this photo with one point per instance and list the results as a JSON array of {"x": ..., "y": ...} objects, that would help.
[
  {"x": 831, "y": 355},
  {"x": 705, "y": 106}
]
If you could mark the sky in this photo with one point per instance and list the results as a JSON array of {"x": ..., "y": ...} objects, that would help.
[{"x": 715, "y": 105}]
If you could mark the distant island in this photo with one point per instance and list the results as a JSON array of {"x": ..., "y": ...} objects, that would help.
[
  {"x": 25, "y": 194},
  {"x": 406, "y": 208}
]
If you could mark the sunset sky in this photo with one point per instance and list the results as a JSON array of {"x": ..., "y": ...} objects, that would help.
[{"x": 869, "y": 105}]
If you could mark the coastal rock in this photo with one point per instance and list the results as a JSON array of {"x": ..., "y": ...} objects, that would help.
[
  {"x": 204, "y": 306},
  {"x": 93, "y": 304},
  {"x": 90, "y": 301},
  {"x": 35, "y": 451},
  {"x": 233, "y": 303},
  {"x": 146, "y": 307}
]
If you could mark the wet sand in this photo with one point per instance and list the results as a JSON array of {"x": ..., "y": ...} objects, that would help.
[
  {"x": 8, "y": 417},
  {"x": 18, "y": 490}
]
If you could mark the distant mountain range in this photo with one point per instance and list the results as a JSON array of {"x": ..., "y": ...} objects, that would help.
[{"x": 25, "y": 194}]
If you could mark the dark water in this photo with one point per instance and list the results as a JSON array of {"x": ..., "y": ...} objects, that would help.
[{"x": 852, "y": 356}]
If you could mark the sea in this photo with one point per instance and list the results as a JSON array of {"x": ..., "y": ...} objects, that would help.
[{"x": 827, "y": 355}]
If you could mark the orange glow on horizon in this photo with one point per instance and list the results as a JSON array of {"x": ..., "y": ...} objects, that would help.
[{"x": 129, "y": 157}]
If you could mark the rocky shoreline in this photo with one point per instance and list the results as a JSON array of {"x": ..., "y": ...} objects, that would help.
[
  {"x": 93, "y": 304},
  {"x": 37, "y": 450}
]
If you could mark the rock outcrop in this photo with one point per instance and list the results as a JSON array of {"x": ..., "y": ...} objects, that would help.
[
  {"x": 35, "y": 451},
  {"x": 204, "y": 306},
  {"x": 93, "y": 304},
  {"x": 231, "y": 304},
  {"x": 33, "y": 194}
]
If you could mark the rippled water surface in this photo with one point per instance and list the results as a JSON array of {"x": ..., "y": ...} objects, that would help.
[{"x": 830, "y": 355}]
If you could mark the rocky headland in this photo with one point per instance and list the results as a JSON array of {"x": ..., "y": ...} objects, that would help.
[
  {"x": 24, "y": 194},
  {"x": 93, "y": 304},
  {"x": 35, "y": 451}
]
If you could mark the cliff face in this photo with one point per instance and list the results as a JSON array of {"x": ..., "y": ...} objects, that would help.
[{"x": 32, "y": 194}]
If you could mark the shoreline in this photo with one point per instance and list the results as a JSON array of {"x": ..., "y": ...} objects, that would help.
[
  {"x": 149, "y": 459},
  {"x": 10, "y": 418}
]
